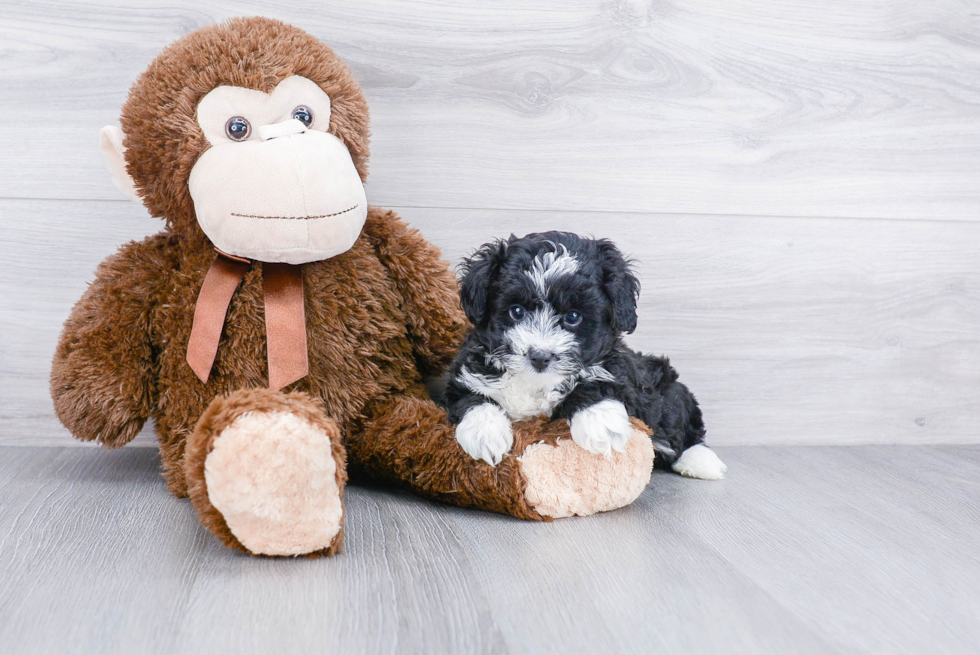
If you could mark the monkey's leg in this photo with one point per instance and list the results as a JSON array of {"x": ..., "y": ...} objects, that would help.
[
  {"x": 408, "y": 440},
  {"x": 266, "y": 473}
]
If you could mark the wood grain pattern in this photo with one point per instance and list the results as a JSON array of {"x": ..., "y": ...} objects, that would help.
[
  {"x": 789, "y": 330},
  {"x": 843, "y": 108},
  {"x": 702, "y": 137},
  {"x": 802, "y": 550}
]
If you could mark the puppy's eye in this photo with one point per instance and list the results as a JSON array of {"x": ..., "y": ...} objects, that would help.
[
  {"x": 237, "y": 128},
  {"x": 572, "y": 318},
  {"x": 517, "y": 312},
  {"x": 303, "y": 115}
]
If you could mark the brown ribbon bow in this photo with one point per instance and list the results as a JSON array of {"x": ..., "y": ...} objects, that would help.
[{"x": 285, "y": 318}]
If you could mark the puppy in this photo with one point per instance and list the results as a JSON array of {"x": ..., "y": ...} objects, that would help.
[{"x": 549, "y": 311}]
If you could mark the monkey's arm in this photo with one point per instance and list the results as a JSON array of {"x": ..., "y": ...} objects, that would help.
[
  {"x": 436, "y": 324},
  {"x": 103, "y": 365}
]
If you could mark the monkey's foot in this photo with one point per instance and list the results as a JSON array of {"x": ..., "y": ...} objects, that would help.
[
  {"x": 266, "y": 473},
  {"x": 563, "y": 479}
]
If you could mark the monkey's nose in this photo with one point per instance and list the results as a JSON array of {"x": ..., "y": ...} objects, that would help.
[
  {"x": 285, "y": 128},
  {"x": 540, "y": 358}
]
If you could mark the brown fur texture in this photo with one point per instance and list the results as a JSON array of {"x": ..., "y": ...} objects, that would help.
[
  {"x": 407, "y": 440},
  {"x": 378, "y": 316},
  {"x": 221, "y": 413},
  {"x": 541, "y": 430},
  {"x": 375, "y": 315}
]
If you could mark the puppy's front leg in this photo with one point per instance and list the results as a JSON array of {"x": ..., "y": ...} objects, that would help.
[
  {"x": 485, "y": 433},
  {"x": 598, "y": 422}
]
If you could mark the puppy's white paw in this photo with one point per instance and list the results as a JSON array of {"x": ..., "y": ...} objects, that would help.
[
  {"x": 485, "y": 433},
  {"x": 700, "y": 462},
  {"x": 602, "y": 428}
]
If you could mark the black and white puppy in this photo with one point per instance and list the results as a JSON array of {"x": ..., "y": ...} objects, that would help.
[{"x": 549, "y": 311}]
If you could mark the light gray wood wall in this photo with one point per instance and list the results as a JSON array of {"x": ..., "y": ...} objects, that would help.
[{"x": 799, "y": 181}]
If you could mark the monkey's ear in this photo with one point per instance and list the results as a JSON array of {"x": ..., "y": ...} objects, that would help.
[
  {"x": 111, "y": 145},
  {"x": 478, "y": 271},
  {"x": 620, "y": 285}
]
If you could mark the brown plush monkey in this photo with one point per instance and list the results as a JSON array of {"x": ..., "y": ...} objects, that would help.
[{"x": 278, "y": 322}]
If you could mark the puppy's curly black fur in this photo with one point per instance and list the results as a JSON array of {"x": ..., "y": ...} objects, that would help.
[{"x": 549, "y": 311}]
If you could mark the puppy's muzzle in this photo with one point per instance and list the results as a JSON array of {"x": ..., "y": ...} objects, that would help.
[{"x": 540, "y": 359}]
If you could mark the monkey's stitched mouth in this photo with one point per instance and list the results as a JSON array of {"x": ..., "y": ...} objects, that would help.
[{"x": 297, "y": 218}]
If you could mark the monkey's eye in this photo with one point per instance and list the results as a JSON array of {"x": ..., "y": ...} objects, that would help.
[
  {"x": 572, "y": 318},
  {"x": 303, "y": 115},
  {"x": 237, "y": 128},
  {"x": 517, "y": 312}
]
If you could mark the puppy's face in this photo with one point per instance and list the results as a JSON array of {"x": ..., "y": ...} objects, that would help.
[{"x": 549, "y": 304}]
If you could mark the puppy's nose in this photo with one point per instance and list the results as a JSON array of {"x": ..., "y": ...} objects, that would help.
[{"x": 540, "y": 358}]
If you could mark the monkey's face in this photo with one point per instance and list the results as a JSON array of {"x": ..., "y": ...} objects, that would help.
[{"x": 274, "y": 185}]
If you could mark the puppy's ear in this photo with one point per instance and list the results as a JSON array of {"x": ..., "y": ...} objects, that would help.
[
  {"x": 477, "y": 273},
  {"x": 620, "y": 285}
]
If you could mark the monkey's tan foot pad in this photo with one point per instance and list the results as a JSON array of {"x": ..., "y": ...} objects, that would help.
[
  {"x": 564, "y": 479},
  {"x": 268, "y": 474}
]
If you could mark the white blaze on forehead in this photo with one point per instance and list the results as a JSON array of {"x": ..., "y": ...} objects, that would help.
[{"x": 549, "y": 265}]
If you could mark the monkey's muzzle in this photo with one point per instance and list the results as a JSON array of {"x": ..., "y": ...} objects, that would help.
[{"x": 289, "y": 196}]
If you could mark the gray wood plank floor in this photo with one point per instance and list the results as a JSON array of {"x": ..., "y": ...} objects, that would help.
[{"x": 801, "y": 550}]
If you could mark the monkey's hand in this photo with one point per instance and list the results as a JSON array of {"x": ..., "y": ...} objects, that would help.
[{"x": 101, "y": 376}]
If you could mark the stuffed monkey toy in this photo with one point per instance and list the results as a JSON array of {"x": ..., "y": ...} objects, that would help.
[{"x": 278, "y": 328}]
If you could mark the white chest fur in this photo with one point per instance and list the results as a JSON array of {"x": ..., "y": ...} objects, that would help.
[{"x": 522, "y": 395}]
